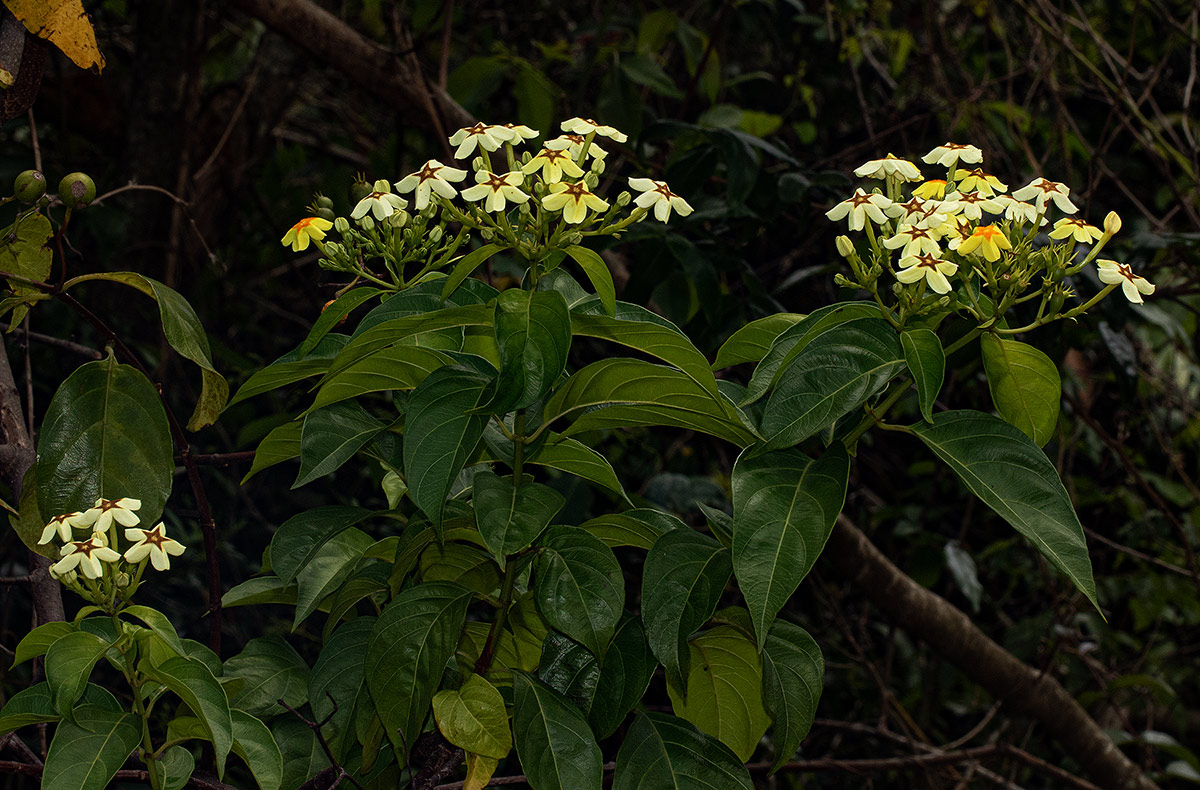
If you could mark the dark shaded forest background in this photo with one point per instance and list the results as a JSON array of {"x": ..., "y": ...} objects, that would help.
[{"x": 756, "y": 112}]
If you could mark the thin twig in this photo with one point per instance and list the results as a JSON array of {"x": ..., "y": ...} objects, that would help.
[
  {"x": 69, "y": 345},
  {"x": 37, "y": 148},
  {"x": 316, "y": 726}
]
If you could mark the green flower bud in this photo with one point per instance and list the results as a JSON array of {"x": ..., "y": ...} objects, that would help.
[
  {"x": 398, "y": 219},
  {"x": 341, "y": 225},
  {"x": 486, "y": 234},
  {"x": 76, "y": 190},
  {"x": 29, "y": 186},
  {"x": 592, "y": 180},
  {"x": 841, "y": 281},
  {"x": 597, "y": 166},
  {"x": 845, "y": 247},
  {"x": 367, "y": 222},
  {"x": 1112, "y": 224},
  {"x": 435, "y": 234},
  {"x": 624, "y": 199}
]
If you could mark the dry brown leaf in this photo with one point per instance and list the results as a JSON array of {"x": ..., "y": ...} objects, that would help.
[{"x": 64, "y": 24}]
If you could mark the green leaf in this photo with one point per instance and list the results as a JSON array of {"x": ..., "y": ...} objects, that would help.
[
  {"x": 793, "y": 676},
  {"x": 834, "y": 374},
  {"x": 554, "y": 743},
  {"x": 273, "y": 670},
  {"x": 927, "y": 361},
  {"x": 411, "y": 641},
  {"x": 784, "y": 507},
  {"x": 651, "y": 337},
  {"x": 35, "y": 705},
  {"x": 624, "y": 677},
  {"x": 333, "y": 314},
  {"x": 579, "y": 586},
  {"x": 281, "y": 444},
  {"x": 639, "y": 527},
  {"x": 175, "y": 768},
  {"x": 24, "y": 253},
  {"x": 467, "y": 264},
  {"x": 1025, "y": 385},
  {"x": 299, "y": 538},
  {"x": 620, "y": 392},
  {"x": 398, "y": 367},
  {"x": 570, "y": 669},
  {"x": 87, "y": 753},
  {"x": 511, "y": 517},
  {"x": 440, "y": 434},
  {"x": 158, "y": 623},
  {"x": 644, "y": 70},
  {"x": 752, "y": 342},
  {"x": 331, "y": 436},
  {"x": 533, "y": 332},
  {"x": 664, "y": 751},
  {"x": 462, "y": 564},
  {"x": 795, "y": 339},
  {"x": 1004, "y": 468},
  {"x": 105, "y": 434},
  {"x": 185, "y": 333},
  {"x": 194, "y": 683},
  {"x": 576, "y": 458},
  {"x": 336, "y": 678},
  {"x": 289, "y": 368},
  {"x": 473, "y": 718},
  {"x": 597, "y": 272},
  {"x": 28, "y": 522},
  {"x": 253, "y": 742},
  {"x": 329, "y": 567},
  {"x": 38, "y": 641},
  {"x": 724, "y": 690},
  {"x": 69, "y": 664},
  {"x": 684, "y": 576},
  {"x": 264, "y": 589},
  {"x": 303, "y": 757}
]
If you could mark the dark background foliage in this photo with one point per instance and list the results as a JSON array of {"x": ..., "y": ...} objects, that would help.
[{"x": 756, "y": 112}]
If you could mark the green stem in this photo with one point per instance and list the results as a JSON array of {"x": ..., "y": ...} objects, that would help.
[
  {"x": 519, "y": 440},
  {"x": 506, "y": 595},
  {"x": 875, "y": 416}
]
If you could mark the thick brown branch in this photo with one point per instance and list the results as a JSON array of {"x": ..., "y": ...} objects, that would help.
[{"x": 951, "y": 633}]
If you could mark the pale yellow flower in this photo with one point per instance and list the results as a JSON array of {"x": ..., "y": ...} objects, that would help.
[
  {"x": 553, "y": 163},
  {"x": 659, "y": 195},
  {"x": 585, "y": 126},
  {"x": 930, "y": 267},
  {"x": 433, "y": 177},
  {"x": 304, "y": 231},
  {"x": 1070, "y": 227},
  {"x": 87, "y": 555},
  {"x": 859, "y": 207},
  {"x": 1041, "y": 190},
  {"x": 1133, "y": 286},
  {"x": 950, "y": 154},
  {"x": 101, "y": 516},
  {"x": 152, "y": 543},
  {"x": 574, "y": 200}
]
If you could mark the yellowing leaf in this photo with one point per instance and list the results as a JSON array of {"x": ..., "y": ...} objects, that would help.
[
  {"x": 64, "y": 24},
  {"x": 479, "y": 771}
]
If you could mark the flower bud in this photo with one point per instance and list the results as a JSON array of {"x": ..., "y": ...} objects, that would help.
[
  {"x": 575, "y": 238},
  {"x": 341, "y": 225},
  {"x": 1055, "y": 303},
  {"x": 598, "y": 166},
  {"x": 367, "y": 222},
  {"x": 841, "y": 281},
  {"x": 845, "y": 247},
  {"x": 398, "y": 219},
  {"x": 435, "y": 234},
  {"x": 29, "y": 186},
  {"x": 486, "y": 234},
  {"x": 478, "y": 163},
  {"x": 332, "y": 248},
  {"x": 76, "y": 190},
  {"x": 382, "y": 185},
  {"x": 1112, "y": 224},
  {"x": 624, "y": 199},
  {"x": 123, "y": 579},
  {"x": 592, "y": 180}
]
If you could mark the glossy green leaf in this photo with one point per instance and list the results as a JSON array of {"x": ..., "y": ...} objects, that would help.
[
  {"x": 570, "y": 669},
  {"x": 331, "y": 436},
  {"x": 784, "y": 507},
  {"x": 752, "y": 342},
  {"x": 35, "y": 705},
  {"x": 185, "y": 333},
  {"x": 335, "y": 681},
  {"x": 69, "y": 664},
  {"x": 533, "y": 332},
  {"x": 927, "y": 362},
  {"x": 1025, "y": 384},
  {"x": 281, "y": 444},
  {"x": 724, "y": 690},
  {"x": 597, "y": 272},
  {"x": 465, "y": 265},
  {"x": 300, "y": 537},
  {"x": 473, "y": 718},
  {"x": 684, "y": 576},
  {"x": 651, "y": 337},
  {"x": 175, "y": 768},
  {"x": 834, "y": 374},
  {"x": 273, "y": 670},
  {"x": 664, "y": 751},
  {"x": 264, "y": 589},
  {"x": 329, "y": 567},
  {"x": 796, "y": 338},
  {"x": 87, "y": 753},
  {"x": 440, "y": 435},
  {"x": 289, "y": 368},
  {"x": 793, "y": 676},
  {"x": 620, "y": 392},
  {"x": 554, "y": 743},
  {"x": 158, "y": 623},
  {"x": 1004, "y": 468},
  {"x": 303, "y": 757},
  {"x": 624, "y": 677},
  {"x": 193, "y": 682},
  {"x": 576, "y": 458},
  {"x": 411, "y": 641},
  {"x": 398, "y": 367},
  {"x": 462, "y": 564},
  {"x": 511, "y": 517},
  {"x": 579, "y": 586},
  {"x": 38, "y": 641},
  {"x": 333, "y": 314},
  {"x": 253, "y": 742},
  {"x": 110, "y": 415},
  {"x": 639, "y": 527}
]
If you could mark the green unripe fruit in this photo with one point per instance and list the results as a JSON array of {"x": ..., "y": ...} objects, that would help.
[
  {"x": 76, "y": 190},
  {"x": 326, "y": 213},
  {"x": 29, "y": 186},
  {"x": 358, "y": 191},
  {"x": 323, "y": 202}
]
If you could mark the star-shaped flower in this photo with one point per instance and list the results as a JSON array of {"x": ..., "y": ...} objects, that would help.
[
  {"x": 975, "y": 180},
  {"x": 101, "y": 516},
  {"x": 972, "y": 204},
  {"x": 573, "y": 144},
  {"x": 87, "y": 555},
  {"x": 381, "y": 203},
  {"x": 888, "y": 166},
  {"x": 930, "y": 267},
  {"x": 915, "y": 240},
  {"x": 917, "y": 211},
  {"x": 520, "y": 132},
  {"x": 1018, "y": 210},
  {"x": 933, "y": 188},
  {"x": 859, "y": 207},
  {"x": 304, "y": 231},
  {"x": 574, "y": 200},
  {"x": 585, "y": 126},
  {"x": 481, "y": 135},
  {"x": 950, "y": 154},
  {"x": 986, "y": 240},
  {"x": 153, "y": 543},
  {"x": 435, "y": 177},
  {"x": 553, "y": 163},
  {"x": 1071, "y": 227},
  {"x": 497, "y": 189},
  {"x": 61, "y": 526},
  {"x": 659, "y": 195},
  {"x": 1041, "y": 190},
  {"x": 1133, "y": 286}
]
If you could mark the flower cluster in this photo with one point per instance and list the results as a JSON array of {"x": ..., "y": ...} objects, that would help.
[
  {"x": 968, "y": 226},
  {"x": 552, "y": 187},
  {"x": 90, "y": 561}
]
